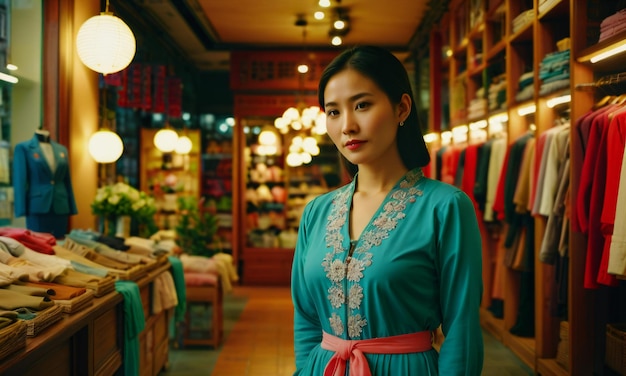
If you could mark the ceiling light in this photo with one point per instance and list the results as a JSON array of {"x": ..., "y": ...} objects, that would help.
[
  {"x": 319, "y": 15},
  {"x": 336, "y": 41},
  {"x": 105, "y": 44},
  {"x": 324, "y": 3},
  {"x": 183, "y": 145},
  {"x": 339, "y": 24},
  {"x": 303, "y": 68},
  {"x": 11, "y": 67}
]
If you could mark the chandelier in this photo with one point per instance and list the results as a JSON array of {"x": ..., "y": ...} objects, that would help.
[{"x": 304, "y": 125}]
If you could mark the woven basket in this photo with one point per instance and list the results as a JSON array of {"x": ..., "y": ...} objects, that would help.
[
  {"x": 12, "y": 338},
  {"x": 615, "y": 356}
]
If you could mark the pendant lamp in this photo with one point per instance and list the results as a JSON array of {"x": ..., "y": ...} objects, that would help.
[
  {"x": 105, "y": 43},
  {"x": 183, "y": 145},
  {"x": 165, "y": 140},
  {"x": 105, "y": 146}
]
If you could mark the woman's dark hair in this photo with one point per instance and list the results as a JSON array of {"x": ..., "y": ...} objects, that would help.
[{"x": 391, "y": 77}]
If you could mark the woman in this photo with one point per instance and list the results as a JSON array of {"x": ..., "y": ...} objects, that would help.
[{"x": 383, "y": 261}]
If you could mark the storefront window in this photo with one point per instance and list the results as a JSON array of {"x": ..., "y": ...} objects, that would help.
[{"x": 20, "y": 89}]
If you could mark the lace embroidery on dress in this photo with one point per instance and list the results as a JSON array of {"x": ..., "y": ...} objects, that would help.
[{"x": 334, "y": 263}]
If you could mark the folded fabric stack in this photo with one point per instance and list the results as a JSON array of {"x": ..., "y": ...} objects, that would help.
[
  {"x": 78, "y": 303},
  {"x": 522, "y": 20},
  {"x": 526, "y": 89},
  {"x": 497, "y": 93},
  {"x": 613, "y": 25},
  {"x": 220, "y": 264},
  {"x": 554, "y": 72}
]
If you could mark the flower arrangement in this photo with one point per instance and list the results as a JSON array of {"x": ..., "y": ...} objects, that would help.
[{"x": 121, "y": 199}]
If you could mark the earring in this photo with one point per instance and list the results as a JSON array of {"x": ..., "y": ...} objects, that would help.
[{"x": 402, "y": 124}]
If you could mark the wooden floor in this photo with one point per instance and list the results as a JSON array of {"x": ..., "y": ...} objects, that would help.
[{"x": 261, "y": 342}]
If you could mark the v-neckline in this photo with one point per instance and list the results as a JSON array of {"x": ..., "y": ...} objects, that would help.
[{"x": 356, "y": 239}]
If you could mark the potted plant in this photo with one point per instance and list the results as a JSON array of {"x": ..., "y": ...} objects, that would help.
[{"x": 196, "y": 228}]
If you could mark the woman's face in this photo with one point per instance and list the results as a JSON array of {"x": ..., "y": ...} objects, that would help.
[{"x": 361, "y": 120}]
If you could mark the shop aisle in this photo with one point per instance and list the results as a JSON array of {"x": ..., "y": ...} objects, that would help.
[{"x": 260, "y": 342}]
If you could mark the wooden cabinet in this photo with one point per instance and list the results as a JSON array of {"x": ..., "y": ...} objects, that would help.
[
  {"x": 154, "y": 339},
  {"x": 88, "y": 342},
  {"x": 513, "y": 42}
]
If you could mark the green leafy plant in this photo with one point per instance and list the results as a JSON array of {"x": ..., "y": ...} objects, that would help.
[{"x": 196, "y": 227}]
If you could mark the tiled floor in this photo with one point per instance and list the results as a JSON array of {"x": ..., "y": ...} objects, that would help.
[{"x": 259, "y": 341}]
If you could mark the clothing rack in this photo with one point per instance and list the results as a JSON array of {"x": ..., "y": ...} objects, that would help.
[{"x": 613, "y": 84}]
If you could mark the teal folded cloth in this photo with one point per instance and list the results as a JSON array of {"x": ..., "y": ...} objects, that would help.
[
  {"x": 181, "y": 291},
  {"x": 134, "y": 323}
]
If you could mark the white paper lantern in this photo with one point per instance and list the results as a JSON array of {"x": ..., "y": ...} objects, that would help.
[
  {"x": 105, "y": 146},
  {"x": 105, "y": 43},
  {"x": 165, "y": 140},
  {"x": 183, "y": 145}
]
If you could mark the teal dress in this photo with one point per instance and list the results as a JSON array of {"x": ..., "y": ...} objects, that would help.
[{"x": 417, "y": 265}]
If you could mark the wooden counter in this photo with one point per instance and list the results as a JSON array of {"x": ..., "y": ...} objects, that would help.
[{"x": 91, "y": 341}]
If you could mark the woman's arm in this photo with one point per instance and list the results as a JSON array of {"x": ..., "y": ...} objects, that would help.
[{"x": 460, "y": 261}]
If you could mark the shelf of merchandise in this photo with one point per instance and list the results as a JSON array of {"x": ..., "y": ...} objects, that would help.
[
  {"x": 467, "y": 56},
  {"x": 155, "y": 166}
]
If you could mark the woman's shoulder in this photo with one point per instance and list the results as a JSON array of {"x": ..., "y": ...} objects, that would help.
[{"x": 441, "y": 191}]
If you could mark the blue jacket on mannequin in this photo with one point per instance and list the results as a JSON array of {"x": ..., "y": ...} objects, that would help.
[{"x": 40, "y": 189}]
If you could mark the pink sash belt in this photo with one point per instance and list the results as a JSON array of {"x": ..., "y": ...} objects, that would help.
[{"x": 354, "y": 350}]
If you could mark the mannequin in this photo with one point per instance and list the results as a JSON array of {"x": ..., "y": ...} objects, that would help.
[{"x": 42, "y": 184}]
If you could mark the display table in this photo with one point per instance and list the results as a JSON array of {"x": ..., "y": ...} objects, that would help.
[{"x": 90, "y": 341}]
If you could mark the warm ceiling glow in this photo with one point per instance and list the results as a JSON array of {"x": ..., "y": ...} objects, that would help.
[
  {"x": 339, "y": 24},
  {"x": 319, "y": 15},
  {"x": 303, "y": 68},
  {"x": 105, "y": 146},
  {"x": 324, "y": 3},
  {"x": 105, "y": 44},
  {"x": 336, "y": 41}
]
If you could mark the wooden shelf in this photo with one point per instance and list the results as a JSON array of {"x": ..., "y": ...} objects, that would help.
[
  {"x": 492, "y": 325},
  {"x": 550, "y": 367},
  {"x": 524, "y": 35}
]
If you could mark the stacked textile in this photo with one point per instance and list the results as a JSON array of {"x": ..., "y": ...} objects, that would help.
[
  {"x": 478, "y": 106},
  {"x": 554, "y": 72},
  {"x": 522, "y": 20},
  {"x": 497, "y": 93},
  {"x": 613, "y": 25},
  {"x": 544, "y": 5},
  {"x": 116, "y": 268},
  {"x": 220, "y": 265},
  {"x": 526, "y": 89}
]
